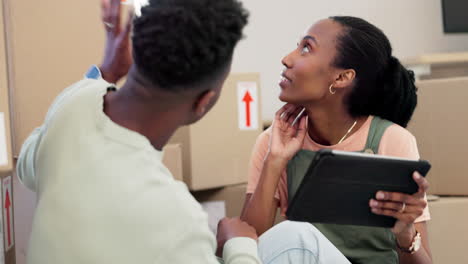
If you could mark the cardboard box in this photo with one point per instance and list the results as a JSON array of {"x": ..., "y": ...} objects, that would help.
[
  {"x": 233, "y": 198},
  {"x": 51, "y": 48},
  {"x": 225, "y": 202},
  {"x": 222, "y": 202},
  {"x": 5, "y": 135},
  {"x": 173, "y": 160},
  {"x": 7, "y": 236},
  {"x": 216, "y": 150},
  {"x": 448, "y": 233},
  {"x": 440, "y": 125}
]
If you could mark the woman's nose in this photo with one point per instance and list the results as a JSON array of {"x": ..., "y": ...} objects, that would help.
[{"x": 287, "y": 60}]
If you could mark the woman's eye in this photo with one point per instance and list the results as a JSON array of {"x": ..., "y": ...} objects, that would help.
[{"x": 305, "y": 49}]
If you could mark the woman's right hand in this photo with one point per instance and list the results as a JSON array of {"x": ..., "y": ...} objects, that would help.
[{"x": 287, "y": 139}]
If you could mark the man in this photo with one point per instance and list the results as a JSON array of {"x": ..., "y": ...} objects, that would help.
[{"x": 103, "y": 194}]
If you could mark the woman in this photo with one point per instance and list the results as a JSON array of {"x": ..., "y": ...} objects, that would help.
[{"x": 344, "y": 75}]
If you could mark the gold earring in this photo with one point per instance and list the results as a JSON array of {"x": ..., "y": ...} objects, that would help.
[{"x": 330, "y": 89}]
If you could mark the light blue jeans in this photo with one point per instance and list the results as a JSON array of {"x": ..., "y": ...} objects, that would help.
[{"x": 298, "y": 243}]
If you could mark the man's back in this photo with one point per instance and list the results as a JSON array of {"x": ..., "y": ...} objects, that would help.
[{"x": 103, "y": 194}]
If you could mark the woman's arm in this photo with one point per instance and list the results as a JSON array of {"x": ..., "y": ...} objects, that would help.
[
  {"x": 260, "y": 207},
  {"x": 423, "y": 255},
  {"x": 406, "y": 209},
  {"x": 285, "y": 140}
]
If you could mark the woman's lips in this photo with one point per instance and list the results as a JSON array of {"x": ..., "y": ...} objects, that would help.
[{"x": 284, "y": 81}]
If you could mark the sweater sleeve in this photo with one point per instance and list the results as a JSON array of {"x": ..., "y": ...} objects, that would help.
[
  {"x": 26, "y": 161},
  {"x": 188, "y": 235}
]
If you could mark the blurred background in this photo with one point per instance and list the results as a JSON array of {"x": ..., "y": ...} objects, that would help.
[{"x": 49, "y": 44}]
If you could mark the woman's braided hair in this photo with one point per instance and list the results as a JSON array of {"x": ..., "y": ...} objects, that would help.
[{"x": 383, "y": 86}]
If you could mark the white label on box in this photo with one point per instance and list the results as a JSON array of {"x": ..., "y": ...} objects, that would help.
[
  {"x": 7, "y": 213},
  {"x": 3, "y": 142},
  {"x": 216, "y": 211},
  {"x": 247, "y": 105}
]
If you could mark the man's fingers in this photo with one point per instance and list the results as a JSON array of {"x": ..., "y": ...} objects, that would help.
[
  {"x": 114, "y": 14},
  {"x": 106, "y": 14},
  {"x": 125, "y": 34},
  {"x": 129, "y": 24},
  {"x": 105, "y": 6}
]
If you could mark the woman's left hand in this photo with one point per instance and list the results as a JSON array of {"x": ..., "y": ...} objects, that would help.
[{"x": 404, "y": 207}]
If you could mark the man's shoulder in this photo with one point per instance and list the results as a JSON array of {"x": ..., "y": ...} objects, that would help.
[
  {"x": 77, "y": 92},
  {"x": 84, "y": 89}
]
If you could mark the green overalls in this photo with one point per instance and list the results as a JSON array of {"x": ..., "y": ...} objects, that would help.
[{"x": 360, "y": 244}]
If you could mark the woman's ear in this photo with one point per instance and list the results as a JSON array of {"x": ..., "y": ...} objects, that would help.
[{"x": 345, "y": 79}]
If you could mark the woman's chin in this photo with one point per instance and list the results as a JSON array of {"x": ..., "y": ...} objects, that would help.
[{"x": 285, "y": 98}]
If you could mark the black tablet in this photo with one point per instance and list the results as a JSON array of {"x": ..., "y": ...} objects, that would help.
[{"x": 338, "y": 186}]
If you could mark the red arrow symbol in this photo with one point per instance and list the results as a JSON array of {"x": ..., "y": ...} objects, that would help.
[
  {"x": 247, "y": 99},
  {"x": 7, "y": 207}
]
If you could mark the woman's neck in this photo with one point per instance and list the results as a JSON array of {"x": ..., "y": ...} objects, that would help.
[{"x": 328, "y": 126}]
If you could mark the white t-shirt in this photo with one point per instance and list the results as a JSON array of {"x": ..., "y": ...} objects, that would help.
[{"x": 104, "y": 195}]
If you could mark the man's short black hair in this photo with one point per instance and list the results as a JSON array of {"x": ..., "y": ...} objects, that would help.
[{"x": 185, "y": 43}]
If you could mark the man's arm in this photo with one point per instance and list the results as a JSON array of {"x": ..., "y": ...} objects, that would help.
[
  {"x": 197, "y": 245},
  {"x": 25, "y": 166},
  {"x": 26, "y": 160},
  {"x": 115, "y": 65},
  {"x": 241, "y": 250},
  {"x": 118, "y": 49},
  {"x": 238, "y": 251}
]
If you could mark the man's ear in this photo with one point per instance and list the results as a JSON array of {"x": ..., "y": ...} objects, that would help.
[
  {"x": 204, "y": 103},
  {"x": 344, "y": 79}
]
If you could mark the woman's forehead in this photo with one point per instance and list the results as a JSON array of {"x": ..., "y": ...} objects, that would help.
[{"x": 323, "y": 31}]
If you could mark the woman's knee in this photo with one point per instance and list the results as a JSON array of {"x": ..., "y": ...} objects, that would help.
[
  {"x": 291, "y": 234},
  {"x": 290, "y": 240},
  {"x": 297, "y": 242}
]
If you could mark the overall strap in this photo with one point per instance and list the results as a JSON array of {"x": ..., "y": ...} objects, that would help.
[
  {"x": 297, "y": 169},
  {"x": 376, "y": 131}
]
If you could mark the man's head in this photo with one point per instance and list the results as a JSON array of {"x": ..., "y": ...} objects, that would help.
[{"x": 185, "y": 47}]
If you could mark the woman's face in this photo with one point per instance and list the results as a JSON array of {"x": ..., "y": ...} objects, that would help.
[{"x": 308, "y": 71}]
